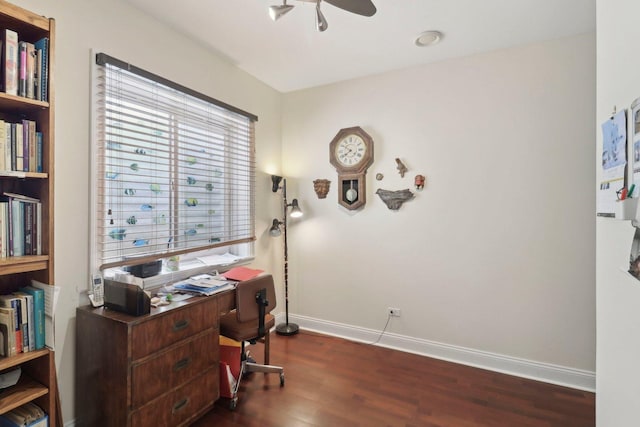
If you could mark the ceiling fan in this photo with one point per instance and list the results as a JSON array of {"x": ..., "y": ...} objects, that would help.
[{"x": 360, "y": 7}]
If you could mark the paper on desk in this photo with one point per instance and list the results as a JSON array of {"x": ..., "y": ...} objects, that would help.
[
  {"x": 223, "y": 259},
  {"x": 51, "y": 294},
  {"x": 208, "y": 281}
]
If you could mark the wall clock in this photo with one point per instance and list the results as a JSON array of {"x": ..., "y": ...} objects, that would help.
[{"x": 351, "y": 153}]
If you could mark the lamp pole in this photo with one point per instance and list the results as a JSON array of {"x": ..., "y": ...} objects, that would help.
[{"x": 286, "y": 328}]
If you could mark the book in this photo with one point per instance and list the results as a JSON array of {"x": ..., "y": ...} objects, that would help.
[
  {"x": 7, "y": 148},
  {"x": 39, "y": 152},
  {"x": 22, "y": 68},
  {"x": 29, "y": 329},
  {"x": 3, "y": 145},
  {"x": 10, "y": 61},
  {"x": 7, "y": 344},
  {"x": 4, "y": 226},
  {"x": 38, "y": 73},
  {"x": 43, "y": 77},
  {"x": 17, "y": 226},
  {"x": 51, "y": 294},
  {"x": 24, "y": 321},
  {"x": 38, "y": 308},
  {"x": 31, "y": 72},
  {"x": 19, "y": 147},
  {"x": 31, "y": 137},
  {"x": 9, "y": 301}
]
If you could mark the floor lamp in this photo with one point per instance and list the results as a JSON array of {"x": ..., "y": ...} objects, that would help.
[{"x": 277, "y": 228}]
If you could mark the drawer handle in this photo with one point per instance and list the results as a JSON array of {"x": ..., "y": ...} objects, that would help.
[
  {"x": 181, "y": 364},
  {"x": 180, "y": 405},
  {"x": 180, "y": 325}
]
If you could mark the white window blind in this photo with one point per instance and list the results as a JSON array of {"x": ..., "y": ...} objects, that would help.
[{"x": 175, "y": 170}]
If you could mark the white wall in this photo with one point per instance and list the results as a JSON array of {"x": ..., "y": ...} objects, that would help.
[
  {"x": 496, "y": 254},
  {"x": 618, "y": 294},
  {"x": 127, "y": 34}
]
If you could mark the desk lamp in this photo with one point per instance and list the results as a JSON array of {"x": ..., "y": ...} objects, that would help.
[{"x": 277, "y": 228}]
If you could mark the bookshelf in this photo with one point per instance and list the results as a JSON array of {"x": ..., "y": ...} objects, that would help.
[{"x": 37, "y": 383}]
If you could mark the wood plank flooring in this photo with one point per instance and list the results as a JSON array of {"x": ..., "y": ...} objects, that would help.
[{"x": 335, "y": 382}]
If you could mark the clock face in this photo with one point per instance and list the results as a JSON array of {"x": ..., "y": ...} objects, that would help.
[{"x": 350, "y": 150}]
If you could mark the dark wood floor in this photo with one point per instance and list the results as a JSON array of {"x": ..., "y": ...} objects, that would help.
[{"x": 334, "y": 382}]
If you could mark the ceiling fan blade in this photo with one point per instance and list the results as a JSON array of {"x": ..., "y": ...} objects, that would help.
[{"x": 361, "y": 7}]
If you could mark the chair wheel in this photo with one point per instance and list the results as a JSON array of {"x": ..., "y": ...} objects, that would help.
[
  {"x": 233, "y": 403},
  {"x": 281, "y": 380}
]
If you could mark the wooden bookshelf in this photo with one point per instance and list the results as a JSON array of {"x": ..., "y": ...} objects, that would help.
[{"x": 37, "y": 382}]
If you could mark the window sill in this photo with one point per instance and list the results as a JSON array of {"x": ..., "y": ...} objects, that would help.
[{"x": 186, "y": 269}]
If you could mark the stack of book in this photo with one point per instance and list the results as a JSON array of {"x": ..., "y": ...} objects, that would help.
[
  {"x": 25, "y": 66},
  {"x": 20, "y": 147},
  {"x": 22, "y": 321},
  {"x": 27, "y": 415},
  {"x": 20, "y": 225}
]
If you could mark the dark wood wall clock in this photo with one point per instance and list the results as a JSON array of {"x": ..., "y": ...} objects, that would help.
[{"x": 351, "y": 153}]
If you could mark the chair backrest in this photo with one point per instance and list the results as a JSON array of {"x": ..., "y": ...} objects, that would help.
[{"x": 246, "y": 306}]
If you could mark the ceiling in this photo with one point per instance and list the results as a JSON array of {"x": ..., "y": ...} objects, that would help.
[{"x": 290, "y": 54}]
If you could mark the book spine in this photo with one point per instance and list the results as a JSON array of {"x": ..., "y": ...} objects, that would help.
[
  {"x": 13, "y": 146},
  {"x": 38, "y": 228},
  {"x": 22, "y": 68},
  {"x": 18, "y": 227},
  {"x": 3, "y": 230},
  {"x": 3, "y": 145},
  {"x": 32, "y": 147},
  {"x": 19, "y": 148},
  {"x": 10, "y": 251},
  {"x": 10, "y": 62},
  {"x": 17, "y": 318},
  {"x": 28, "y": 228},
  {"x": 31, "y": 64},
  {"x": 7, "y": 152},
  {"x": 26, "y": 155},
  {"x": 39, "y": 152},
  {"x": 43, "y": 44},
  {"x": 38, "y": 306}
]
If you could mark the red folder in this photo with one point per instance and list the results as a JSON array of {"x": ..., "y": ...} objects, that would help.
[{"x": 242, "y": 273}]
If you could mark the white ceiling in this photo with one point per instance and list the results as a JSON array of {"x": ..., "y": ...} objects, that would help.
[{"x": 290, "y": 54}]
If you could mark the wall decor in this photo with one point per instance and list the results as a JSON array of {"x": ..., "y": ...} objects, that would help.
[
  {"x": 394, "y": 199},
  {"x": 379, "y": 176},
  {"x": 351, "y": 153},
  {"x": 321, "y": 187},
  {"x": 419, "y": 182},
  {"x": 402, "y": 169}
]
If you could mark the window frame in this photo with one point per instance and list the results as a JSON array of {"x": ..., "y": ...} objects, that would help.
[{"x": 245, "y": 243}]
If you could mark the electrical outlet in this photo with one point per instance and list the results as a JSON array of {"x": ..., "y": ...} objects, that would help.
[{"x": 393, "y": 312}]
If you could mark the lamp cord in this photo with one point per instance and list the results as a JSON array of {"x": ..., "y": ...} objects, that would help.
[{"x": 383, "y": 331}]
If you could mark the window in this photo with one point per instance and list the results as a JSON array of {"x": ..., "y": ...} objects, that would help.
[{"x": 175, "y": 169}]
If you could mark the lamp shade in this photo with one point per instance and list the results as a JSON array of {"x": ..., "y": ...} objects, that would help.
[
  {"x": 277, "y": 12},
  {"x": 275, "y": 231},
  {"x": 296, "y": 212}
]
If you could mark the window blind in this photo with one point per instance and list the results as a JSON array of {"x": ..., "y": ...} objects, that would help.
[{"x": 175, "y": 168}]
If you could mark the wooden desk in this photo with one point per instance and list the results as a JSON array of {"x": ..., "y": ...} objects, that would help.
[{"x": 159, "y": 369}]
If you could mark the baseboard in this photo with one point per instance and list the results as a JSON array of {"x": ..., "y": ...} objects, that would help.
[{"x": 553, "y": 374}]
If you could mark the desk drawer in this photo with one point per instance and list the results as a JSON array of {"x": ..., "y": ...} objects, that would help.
[
  {"x": 170, "y": 369},
  {"x": 177, "y": 324},
  {"x": 180, "y": 405}
]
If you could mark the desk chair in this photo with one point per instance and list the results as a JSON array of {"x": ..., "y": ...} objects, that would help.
[{"x": 251, "y": 321}]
